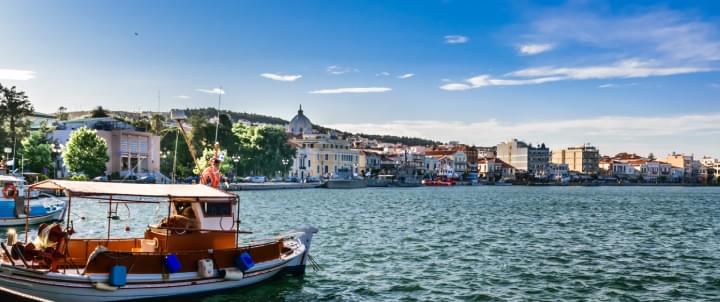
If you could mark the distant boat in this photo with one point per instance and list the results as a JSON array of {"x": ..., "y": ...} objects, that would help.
[
  {"x": 406, "y": 177},
  {"x": 344, "y": 179},
  {"x": 13, "y": 202},
  {"x": 438, "y": 183}
]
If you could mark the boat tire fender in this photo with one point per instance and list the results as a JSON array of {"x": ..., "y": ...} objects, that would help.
[{"x": 9, "y": 190}]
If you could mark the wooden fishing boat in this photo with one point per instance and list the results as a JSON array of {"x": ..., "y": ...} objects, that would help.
[{"x": 194, "y": 249}]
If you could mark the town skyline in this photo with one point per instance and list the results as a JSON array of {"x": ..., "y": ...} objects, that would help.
[{"x": 627, "y": 78}]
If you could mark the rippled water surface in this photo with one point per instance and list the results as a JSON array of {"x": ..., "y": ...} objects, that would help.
[{"x": 482, "y": 243}]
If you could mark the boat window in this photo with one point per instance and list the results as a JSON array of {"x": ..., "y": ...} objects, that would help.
[{"x": 216, "y": 209}]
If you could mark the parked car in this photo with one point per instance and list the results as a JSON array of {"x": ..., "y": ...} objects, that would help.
[
  {"x": 148, "y": 179},
  {"x": 258, "y": 179},
  {"x": 293, "y": 179},
  {"x": 101, "y": 178},
  {"x": 312, "y": 179},
  {"x": 277, "y": 179}
]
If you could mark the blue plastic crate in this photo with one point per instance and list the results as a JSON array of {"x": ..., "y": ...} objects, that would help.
[
  {"x": 172, "y": 263},
  {"x": 118, "y": 275},
  {"x": 244, "y": 262}
]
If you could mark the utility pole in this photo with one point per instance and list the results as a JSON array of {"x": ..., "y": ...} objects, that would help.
[{"x": 217, "y": 123}]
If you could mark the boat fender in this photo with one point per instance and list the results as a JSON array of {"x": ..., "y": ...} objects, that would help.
[
  {"x": 205, "y": 268},
  {"x": 104, "y": 286},
  {"x": 233, "y": 275},
  {"x": 172, "y": 264},
  {"x": 244, "y": 262},
  {"x": 118, "y": 275},
  {"x": 9, "y": 190}
]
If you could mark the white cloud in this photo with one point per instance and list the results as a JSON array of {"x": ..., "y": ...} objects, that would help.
[
  {"x": 337, "y": 70},
  {"x": 212, "y": 91},
  {"x": 533, "y": 49},
  {"x": 184, "y": 97},
  {"x": 622, "y": 69},
  {"x": 406, "y": 76},
  {"x": 16, "y": 74},
  {"x": 384, "y": 73},
  {"x": 455, "y": 87},
  {"x": 281, "y": 77},
  {"x": 613, "y": 85},
  {"x": 351, "y": 90},
  {"x": 609, "y": 133},
  {"x": 456, "y": 39},
  {"x": 538, "y": 75},
  {"x": 659, "y": 33}
]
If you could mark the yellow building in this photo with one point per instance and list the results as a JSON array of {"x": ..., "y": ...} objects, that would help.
[
  {"x": 318, "y": 155},
  {"x": 582, "y": 159}
]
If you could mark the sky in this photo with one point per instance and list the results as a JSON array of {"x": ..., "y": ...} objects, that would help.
[{"x": 626, "y": 77}]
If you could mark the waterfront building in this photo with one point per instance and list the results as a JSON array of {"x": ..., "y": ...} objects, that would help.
[
  {"x": 525, "y": 157},
  {"x": 494, "y": 169},
  {"x": 486, "y": 152},
  {"x": 690, "y": 167},
  {"x": 431, "y": 166},
  {"x": 558, "y": 172},
  {"x": 582, "y": 159},
  {"x": 369, "y": 161},
  {"x": 300, "y": 124},
  {"x": 131, "y": 151},
  {"x": 618, "y": 168},
  {"x": 451, "y": 162},
  {"x": 652, "y": 170},
  {"x": 319, "y": 155}
]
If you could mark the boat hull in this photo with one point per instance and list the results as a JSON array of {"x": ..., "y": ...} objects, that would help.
[
  {"x": 346, "y": 184},
  {"x": 54, "y": 215},
  {"x": 81, "y": 288}
]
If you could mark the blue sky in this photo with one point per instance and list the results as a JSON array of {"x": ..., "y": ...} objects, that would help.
[{"x": 640, "y": 77}]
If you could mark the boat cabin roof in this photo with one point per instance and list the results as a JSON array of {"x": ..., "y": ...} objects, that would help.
[{"x": 173, "y": 192}]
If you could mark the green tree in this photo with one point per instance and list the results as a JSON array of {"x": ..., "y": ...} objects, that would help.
[
  {"x": 14, "y": 107},
  {"x": 37, "y": 152},
  {"x": 99, "y": 111},
  {"x": 262, "y": 149},
  {"x": 62, "y": 114},
  {"x": 651, "y": 156},
  {"x": 157, "y": 124},
  {"x": 86, "y": 153}
]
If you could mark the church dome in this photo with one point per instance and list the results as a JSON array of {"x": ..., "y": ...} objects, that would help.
[{"x": 300, "y": 124}]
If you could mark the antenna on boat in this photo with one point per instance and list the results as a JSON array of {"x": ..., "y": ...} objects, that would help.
[{"x": 217, "y": 122}]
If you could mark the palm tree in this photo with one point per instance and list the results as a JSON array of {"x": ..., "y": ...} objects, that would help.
[
  {"x": 61, "y": 114},
  {"x": 14, "y": 106}
]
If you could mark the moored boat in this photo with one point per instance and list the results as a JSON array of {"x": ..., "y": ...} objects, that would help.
[
  {"x": 438, "y": 183},
  {"x": 344, "y": 179},
  {"x": 194, "y": 249},
  {"x": 16, "y": 200}
]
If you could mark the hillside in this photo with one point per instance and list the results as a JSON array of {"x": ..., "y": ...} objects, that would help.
[{"x": 271, "y": 120}]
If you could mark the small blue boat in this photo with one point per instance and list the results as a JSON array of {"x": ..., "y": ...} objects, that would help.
[{"x": 13, "y": 202}]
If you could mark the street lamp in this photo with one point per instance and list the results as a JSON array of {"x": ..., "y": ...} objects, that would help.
[
  {"x": 7, "y": 150},
  {"x": 285, "y": 163},
  {"x": 236, "y": 160},
  {"x": 57, "y": 149}
]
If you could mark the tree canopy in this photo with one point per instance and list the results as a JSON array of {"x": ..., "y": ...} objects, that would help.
[
  {"x": 99, "y": 111},
  {"x": 37, "y": 152},
  {"x": 14, "y": 107},
  {"x": 86, "y": 153}
]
